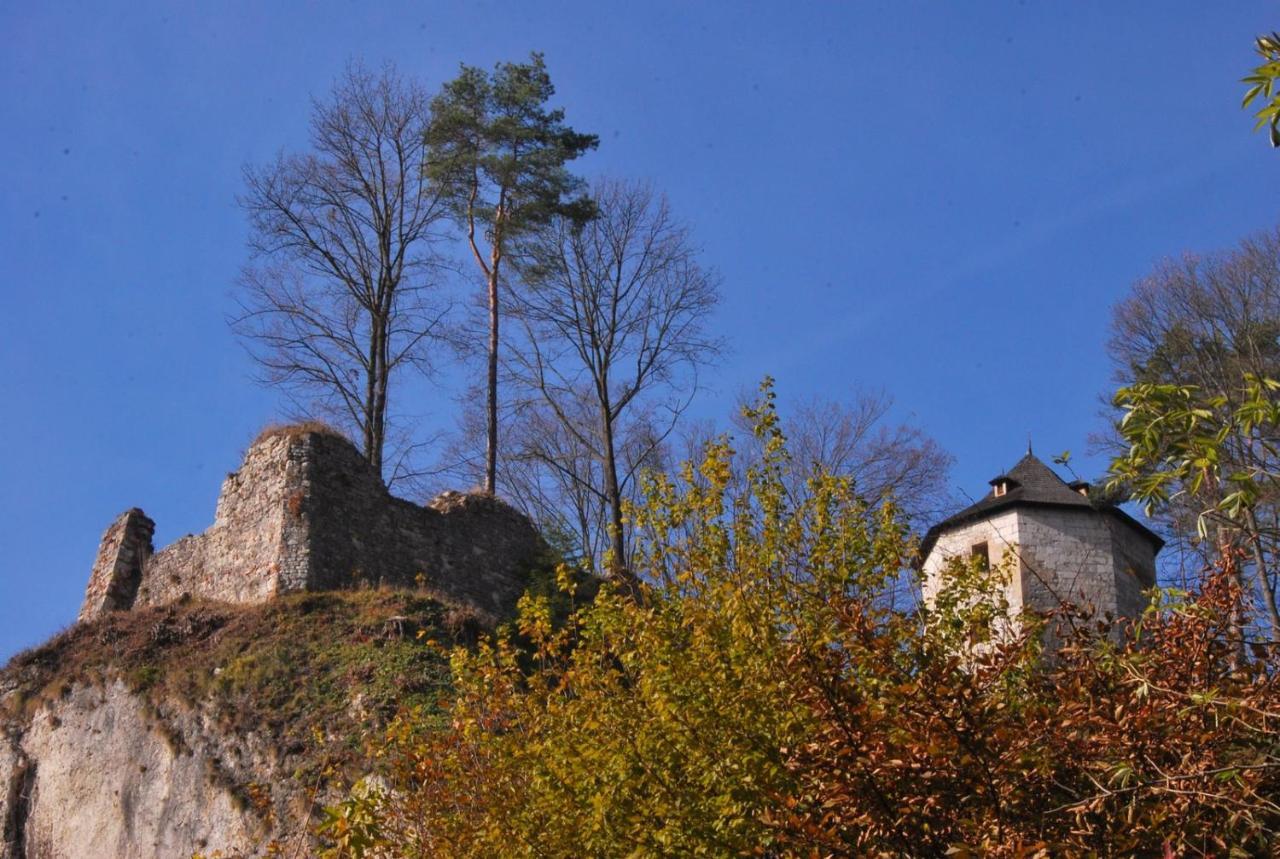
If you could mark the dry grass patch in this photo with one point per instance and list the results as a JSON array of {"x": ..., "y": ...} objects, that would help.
[{"x": 297, "y": 430}]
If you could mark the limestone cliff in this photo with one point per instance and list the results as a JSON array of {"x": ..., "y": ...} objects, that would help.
[
  {"x": 207, "y": 727},
  {"x": 214, "y": 693},
  {"x": 93, "y": 776}
]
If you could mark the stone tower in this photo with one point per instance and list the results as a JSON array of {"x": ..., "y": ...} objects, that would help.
[{"x": 1063, "y": 547}]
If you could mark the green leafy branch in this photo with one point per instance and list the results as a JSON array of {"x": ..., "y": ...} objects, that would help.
[
  {"x": 1178, "y": 435},
  {"x": 1263, "y": 82}
]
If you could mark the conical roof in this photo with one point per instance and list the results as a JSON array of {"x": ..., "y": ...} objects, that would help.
[{"x": 1029, "y": 483}]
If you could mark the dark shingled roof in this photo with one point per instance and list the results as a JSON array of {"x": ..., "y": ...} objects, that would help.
[{"x": 1030, "y": 483}]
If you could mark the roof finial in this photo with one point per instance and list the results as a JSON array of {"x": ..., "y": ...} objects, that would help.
[{"x": 1028, "y": 443}]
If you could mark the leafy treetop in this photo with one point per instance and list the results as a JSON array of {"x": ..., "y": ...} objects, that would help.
[
  {"x": 763, "y": 696},
  {"x": 500, "y": 153}
]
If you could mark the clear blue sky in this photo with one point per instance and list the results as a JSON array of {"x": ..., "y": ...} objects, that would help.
[{"x": 940, "y": 199}]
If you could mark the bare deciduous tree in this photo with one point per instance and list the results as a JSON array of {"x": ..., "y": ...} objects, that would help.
[
  {"x": 856, "y": 439},
  {"x": 556, "y": 480},
  {"x": 547, "y": 472},
  {"x": 341, "y": 292},
  {"x": 613, "y": 313}
]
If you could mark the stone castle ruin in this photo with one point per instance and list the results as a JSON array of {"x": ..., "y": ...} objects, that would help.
[{"x": 306, "y": 512}]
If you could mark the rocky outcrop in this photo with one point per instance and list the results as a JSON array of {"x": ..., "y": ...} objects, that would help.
[
  {"x": 210, "y": 692},
  {"x": 306, "y": 512},
  {"x": 209, "y": 728},
  {"x": 17, "y": 775}
]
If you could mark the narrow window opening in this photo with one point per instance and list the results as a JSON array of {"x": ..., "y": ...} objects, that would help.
[
  {"x": 980, "y": 551},
  {"x": 1001, "y": 488}
]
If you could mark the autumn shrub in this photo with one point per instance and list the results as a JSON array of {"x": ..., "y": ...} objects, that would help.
[{"x": 767, "y": 692}]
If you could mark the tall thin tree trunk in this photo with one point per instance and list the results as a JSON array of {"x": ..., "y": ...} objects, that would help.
[
  {"x": 380, "y": 394},
  {"x": 1264, "y": 580},
  {"x": 584, "y": 528},
  {"x": 617, "y": 546},
  {"x": 1236, "y": 620},
  {"x": 491, "y": 438},
  {"x": 369, "y": 408}
]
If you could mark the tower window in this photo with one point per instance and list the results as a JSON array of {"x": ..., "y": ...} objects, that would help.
[
  {"x": 980, "y": 551},
  {"x": 1001, "y": 489}
]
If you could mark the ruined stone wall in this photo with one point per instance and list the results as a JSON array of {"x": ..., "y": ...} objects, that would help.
[
  {"x": 118, "y": 570},
  {"x": 306, "y": 512},
  {"x": 242, "y": 557},
  {"x": 472, "y": 549}
]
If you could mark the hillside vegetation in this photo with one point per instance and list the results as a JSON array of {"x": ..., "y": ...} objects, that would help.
[
  {"x": 287, "y": 689},
  {"x": 773, "y": 691}
]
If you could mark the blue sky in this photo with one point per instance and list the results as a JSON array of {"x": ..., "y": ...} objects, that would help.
[{"x": 941, "y": 200}]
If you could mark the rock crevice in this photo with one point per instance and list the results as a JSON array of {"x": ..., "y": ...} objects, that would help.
[{"x": 15, "y": 805}]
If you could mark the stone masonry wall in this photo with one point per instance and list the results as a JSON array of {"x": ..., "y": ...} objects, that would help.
[
  {"x": 1066, "y": 557},
  {"x": 1075, "y": 555},
  {"x": 999, "y": 532},
  {"x": 470, "y": 548},
  {"x": 306, "y": 512},
  {"x": 1134, "y": 569},
  {"x": 117, "y": 572},
  {"x": 241, "y": 557}
]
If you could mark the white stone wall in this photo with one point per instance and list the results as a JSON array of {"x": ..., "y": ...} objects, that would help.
[{"x": 1001, "y": 534}]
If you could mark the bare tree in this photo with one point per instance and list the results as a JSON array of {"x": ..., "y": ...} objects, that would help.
[
  {"x": 556, "y": 480},
  {"x": 548, "y": 473},
  {"x": 613, "y": 313},
  {"x": 341, "y": 291},
  {"x": 857, "y": 439},
  {"x": 562, "y": 479}
]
